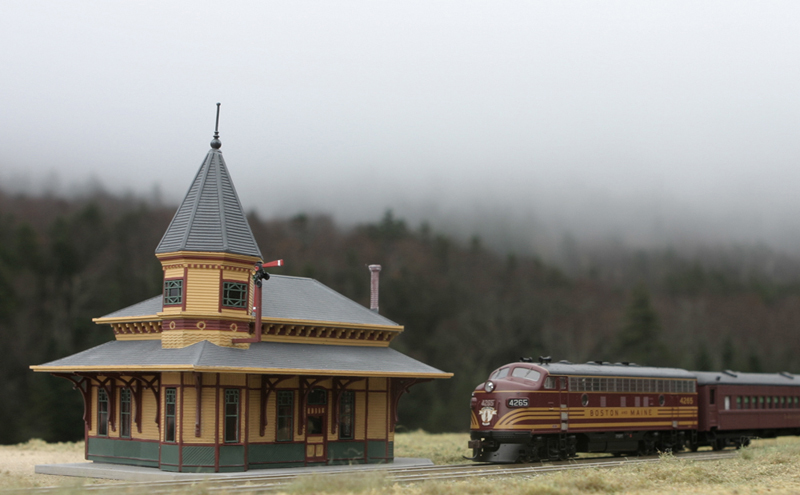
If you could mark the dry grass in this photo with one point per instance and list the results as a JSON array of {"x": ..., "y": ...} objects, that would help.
[
  {"x": 17, "y": 463},
  {"x": 769, "y": 466},
  {"x": 441, "y": 448}
]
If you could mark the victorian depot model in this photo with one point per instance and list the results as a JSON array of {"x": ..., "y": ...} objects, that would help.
[{"x": 191, "y": 384}]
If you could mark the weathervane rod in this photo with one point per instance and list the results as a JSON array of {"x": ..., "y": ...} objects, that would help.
[{"x": 216, "y": 126}]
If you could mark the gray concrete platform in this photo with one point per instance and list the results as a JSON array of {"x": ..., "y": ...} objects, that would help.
[{"x": 136, "y": 473}]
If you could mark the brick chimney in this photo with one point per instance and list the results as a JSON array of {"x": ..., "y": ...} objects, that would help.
[{"x": 375, "y": 273}]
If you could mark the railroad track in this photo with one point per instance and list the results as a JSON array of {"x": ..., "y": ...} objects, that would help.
[{"x": 273, "y": 482}]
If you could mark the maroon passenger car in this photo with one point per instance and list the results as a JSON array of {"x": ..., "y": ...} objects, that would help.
[{"x": 735, "y": 407}]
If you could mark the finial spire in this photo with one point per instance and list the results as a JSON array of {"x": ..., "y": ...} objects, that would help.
[{"x": 216, "y": 143}]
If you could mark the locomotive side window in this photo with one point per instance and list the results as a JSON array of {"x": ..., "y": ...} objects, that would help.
[
  {"x": 549, "y": 383},
  {"x": 712, "y": 399},
  {"x": 746, "y": 402},
  {"x": 727, "y": 402},
  {"x": 738, "y": 402},
  {"x": 563, "y": 382}
]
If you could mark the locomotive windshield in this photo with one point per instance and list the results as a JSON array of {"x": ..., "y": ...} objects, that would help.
[
  {"x": 527, "y": 374},
  {"x": 501, "y": 373}
]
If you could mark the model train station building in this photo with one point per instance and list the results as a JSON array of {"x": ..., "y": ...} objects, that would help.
[{"x": 190, "y": 385}]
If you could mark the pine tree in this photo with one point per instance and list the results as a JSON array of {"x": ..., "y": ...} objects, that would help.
[{"x": 639, "y": 340}]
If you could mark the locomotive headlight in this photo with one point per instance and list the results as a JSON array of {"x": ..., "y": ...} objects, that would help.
[{"x": 489, "y": 387}]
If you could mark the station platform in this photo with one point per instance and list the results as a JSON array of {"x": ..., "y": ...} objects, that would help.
[{"x": 102, "y": 470}]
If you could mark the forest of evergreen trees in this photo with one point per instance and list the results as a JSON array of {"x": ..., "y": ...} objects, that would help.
[{"x": 466, "y": 309}]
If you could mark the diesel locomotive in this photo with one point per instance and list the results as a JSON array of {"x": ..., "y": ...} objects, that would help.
[{"x": 529, "y": 411}]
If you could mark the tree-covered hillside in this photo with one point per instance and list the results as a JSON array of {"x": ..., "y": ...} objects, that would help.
[{"x": 466, "y": 309}]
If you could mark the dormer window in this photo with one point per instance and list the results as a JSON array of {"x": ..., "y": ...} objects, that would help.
[
  {"x": 173, "y": 292},
  {"x": 234, "y": 295}
]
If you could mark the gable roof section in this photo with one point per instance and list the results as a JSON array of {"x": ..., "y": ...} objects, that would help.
[
  {"x": 262, "y": 357},
  {"x": 210, "y": 217},
  {"x": 286, "y": 298},
  {"x": 300, "y": 298}
]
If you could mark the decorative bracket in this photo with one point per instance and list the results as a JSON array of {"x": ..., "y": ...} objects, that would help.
[
  {"x": 84, "y": 385},
  {"x": 401, "y": 386},
  {"x": 268, "y": 385},
  {"x": 306, "y": 384}
]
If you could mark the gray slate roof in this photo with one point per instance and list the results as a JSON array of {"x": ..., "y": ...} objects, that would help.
[
  {"x": 210, "y": 217},
  {"x": 272, "y": 357},
  {"x": 591, "y": 369},
  {"x": 292, "y": 298},
  {"x": 720, "y": 378}
]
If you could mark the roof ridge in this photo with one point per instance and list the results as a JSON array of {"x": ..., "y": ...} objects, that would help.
[
  {"x": 197, "y": 195},
  {"x": 221, "y": 199}
]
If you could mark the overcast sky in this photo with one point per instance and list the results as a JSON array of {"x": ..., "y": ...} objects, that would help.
[{"x": 635, "y": 119}]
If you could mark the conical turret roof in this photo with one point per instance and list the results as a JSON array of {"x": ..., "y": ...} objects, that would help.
[{"x": 210, "y": 217}]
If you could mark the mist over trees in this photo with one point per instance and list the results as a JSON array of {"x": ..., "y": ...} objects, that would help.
[{"x": 466, "y": 308}]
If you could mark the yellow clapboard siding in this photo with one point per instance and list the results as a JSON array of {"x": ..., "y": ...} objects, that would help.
[
  {"x": 202, "y": 290},
  {"x": 254, "y": 415},
  {"x": 244, "y": 403},
  {"x": 149, "y": 426},
  {"x": 233, "y": 379},
  {"x": 238, "y": 313},
  {"x": 93, "y": 429},
  {"x": 169, "y": 379},
  {"x": 360, "y": 411},
  {"x": 207, "y": 418},
  {"x": 236, "y": 275},
  {"x": 169, "y": 310},
  {"x": 189, "y": 408},
  {"x": 220, "y": 409},
  {"x": 376, "y": 422},
  {"x": 176, "y": 272},
  {"x": 377, "y": 384},
  {"x": 293, "y": 382},
  {"x": 272, "y": 419}
]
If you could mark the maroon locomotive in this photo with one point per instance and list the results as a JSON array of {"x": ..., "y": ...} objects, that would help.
[{"x": 529, "y": 411}]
